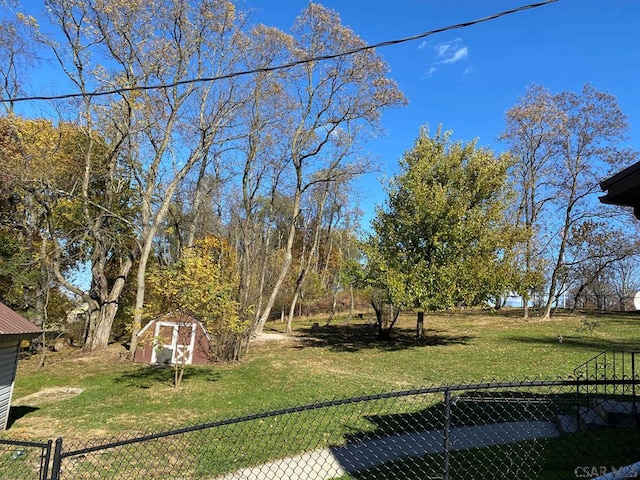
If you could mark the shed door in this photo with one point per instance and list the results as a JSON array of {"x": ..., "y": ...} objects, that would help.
[
  {"x": 8, "y": 364},
  {"x": 175, "y": 341}
]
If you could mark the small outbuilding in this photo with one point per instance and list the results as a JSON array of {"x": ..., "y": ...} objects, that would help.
[
  {"x": 13, "y": 330},
  {"x": 173, "y": 338}
]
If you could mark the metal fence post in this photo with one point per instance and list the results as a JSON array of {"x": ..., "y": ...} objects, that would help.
[
  {"x": 633, "y": 382},
  {"x": 447, "y": 436},
  {"x": 44, "y": 461},
  {"x": 57, "y": 460}
]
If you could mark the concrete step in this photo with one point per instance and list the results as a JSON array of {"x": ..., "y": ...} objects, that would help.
[
  {"x": 567, "y": 423},
  {"x": 604, "y": 413},
  {"x": 591, "y": 418},
  {"x": 617, "y": 413},
  {"x": 615, "y": 406}
]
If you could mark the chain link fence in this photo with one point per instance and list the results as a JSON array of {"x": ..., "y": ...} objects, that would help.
[
  {"x": 24, "y": 460},
  {"x": 517, "y": 430}
]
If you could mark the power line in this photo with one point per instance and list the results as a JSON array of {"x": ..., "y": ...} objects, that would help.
[{"x": 281, "y": 66}]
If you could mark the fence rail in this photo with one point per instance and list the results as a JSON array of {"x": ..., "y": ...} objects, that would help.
[
  {"x": 539, "y": 429},
  {"x": 22, "y": 459}
]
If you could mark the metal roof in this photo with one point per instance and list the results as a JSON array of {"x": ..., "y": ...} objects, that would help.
[{"x": 12, "y": 323}]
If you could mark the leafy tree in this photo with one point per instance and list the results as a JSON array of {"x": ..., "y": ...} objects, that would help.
[
  {"x": 77, "y": 204},
  {"x": 204, "y": 283},
  {"x": 443, "y": 238},
  {"x": 16, "y": 272},
  {"x": 385, "y": 284}
]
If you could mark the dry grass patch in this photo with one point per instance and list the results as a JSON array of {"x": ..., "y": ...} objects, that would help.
[{"x": 53, "y": 394}]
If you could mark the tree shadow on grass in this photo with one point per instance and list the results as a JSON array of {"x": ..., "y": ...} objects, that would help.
[
  {"x": 581, "y": 342},
  {"x": 469, "y": 408},
  {"x": 149, "y": 375},
  {"x": 500, "y": 429},
  {"x": 17, "y": 412},
  {"x": 357, "y": 337}
]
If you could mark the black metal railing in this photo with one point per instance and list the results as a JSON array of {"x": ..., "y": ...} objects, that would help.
[{"x": 604, "y": 381}]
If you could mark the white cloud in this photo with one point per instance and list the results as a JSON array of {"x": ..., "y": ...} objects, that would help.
[
  {"x": 442, "y": 49},
  {"x": 451, "y": 52},
  {"x": 430, "y": 72},
  {"x": 423, "y": 44},
  {"x": 459, "y": 54}
]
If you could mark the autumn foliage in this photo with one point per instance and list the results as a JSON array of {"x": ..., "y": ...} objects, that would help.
[{"x": 204, "y": 282}]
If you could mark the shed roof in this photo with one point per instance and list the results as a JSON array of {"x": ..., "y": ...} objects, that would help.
[
  {"x": 12, "y": 323},
  {"x": 176, "y": 316},
  {"x": 623, "y": 189}
]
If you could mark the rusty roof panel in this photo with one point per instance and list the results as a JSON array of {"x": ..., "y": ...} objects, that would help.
[{"x": 12, "y": 323}]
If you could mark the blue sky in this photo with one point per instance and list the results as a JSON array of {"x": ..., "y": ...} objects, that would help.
[{"x": 466, "y": 79}]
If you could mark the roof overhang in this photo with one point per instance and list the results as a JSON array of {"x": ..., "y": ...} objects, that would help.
[
  {"x": 623, "y": 189},
  {"x": 13, "y": 325}
]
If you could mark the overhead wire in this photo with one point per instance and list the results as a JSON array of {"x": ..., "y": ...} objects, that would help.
[{"x": 282, "y": 66}]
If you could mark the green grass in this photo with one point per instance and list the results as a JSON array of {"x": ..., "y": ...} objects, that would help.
[
  {"x": 335, "y": 362},
  {"x": 121, "y": 399}
]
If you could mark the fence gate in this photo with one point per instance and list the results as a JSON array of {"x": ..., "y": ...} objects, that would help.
[{"x": 20, "y": 459}]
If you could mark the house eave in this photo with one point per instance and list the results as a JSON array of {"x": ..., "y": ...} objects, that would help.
[{"x": 623, "y": 189}]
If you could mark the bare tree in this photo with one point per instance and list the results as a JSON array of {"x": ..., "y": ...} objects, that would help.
[
  {"x": 564, "y": 144},
  {"x": 337, "y": 103},
  {"x": 155, "y": 137},
  {"x": 625, "y": 276},
  {"x": 16, "y": 52}
]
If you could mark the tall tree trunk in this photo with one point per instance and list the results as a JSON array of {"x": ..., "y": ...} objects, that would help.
[
  {"x": 351, "y": 303},
  {"x": 101, "y": 318},
  {"x": 305, "y": 265},
  {"x": 284, "y": 266},
  {"x": 334, "y": 305},
  {"x": 288, "y": 329},
  {"x": 420, "y": 327}
]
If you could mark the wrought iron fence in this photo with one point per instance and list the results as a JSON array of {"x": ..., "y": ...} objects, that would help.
[{"x": 516, "y": 430}]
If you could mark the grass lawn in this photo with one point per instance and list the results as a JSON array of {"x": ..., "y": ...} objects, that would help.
[{"x": 335, "y": 361}]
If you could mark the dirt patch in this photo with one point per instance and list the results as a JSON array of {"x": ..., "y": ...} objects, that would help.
[
  {"x": 115, "y": 352},
  {"x": 270, "y": 337},
  {"x": 53, "y": 394},
  {"x": 75, "y": 356}
]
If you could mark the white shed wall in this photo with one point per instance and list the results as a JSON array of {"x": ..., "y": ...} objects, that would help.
[{"x": 8, "y": 365}]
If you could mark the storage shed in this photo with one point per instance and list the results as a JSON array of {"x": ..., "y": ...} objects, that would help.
[
  {"x": 13, "y": 329},
  {"x": 173, "y": 338}
]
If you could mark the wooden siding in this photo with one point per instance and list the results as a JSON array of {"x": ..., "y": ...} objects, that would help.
[{"x": 8, "y": 365}]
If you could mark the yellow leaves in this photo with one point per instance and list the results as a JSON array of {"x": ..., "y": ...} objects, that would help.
[
  {"x": 124, "y": 7},
  {"x": 36, "y": 151},
  {"x": 27, "y": 20},
  {"x": 230, "y": 11},
  {"x": 203, "y": 282}
]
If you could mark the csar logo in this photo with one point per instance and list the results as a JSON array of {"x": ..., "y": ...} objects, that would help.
[{"x": 597, "y": 471}]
